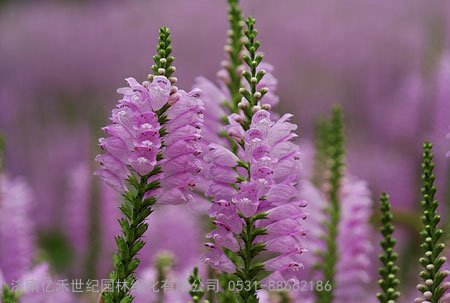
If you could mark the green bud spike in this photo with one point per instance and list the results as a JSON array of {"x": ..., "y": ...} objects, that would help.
[
  {"x": 252, "y": 60},
  {"x": 234, "y": 50},
  {"x": 335, "y": 167},
  {"x": 388, "y": 271},
  {"x": 163, "y": 59},
  {"x": 196, "y": 290},
  {"x": 431, "y": 233}
]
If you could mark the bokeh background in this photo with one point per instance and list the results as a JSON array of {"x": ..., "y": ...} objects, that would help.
[{"x": 387, "y": 62}]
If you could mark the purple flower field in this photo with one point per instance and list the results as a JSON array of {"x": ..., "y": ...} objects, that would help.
[{"x": 232, "y": 151}]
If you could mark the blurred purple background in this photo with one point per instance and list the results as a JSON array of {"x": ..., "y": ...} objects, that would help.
[{"x": 387, "y": 62}]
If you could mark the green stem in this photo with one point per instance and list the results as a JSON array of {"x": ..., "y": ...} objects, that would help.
[
  {"x": 125, "y": 261},
  {"x": 388, "y": 271},
  {"x": 196, "y": 290},
  {"x": 252, "y": 59},
  {"x": 234, "y": 49},
  {"x": 8, "y": 295},
  {"x": 431, "y": 234},
  {"x": 336, "y": 167},
  {"x": 250, "y": 271}
]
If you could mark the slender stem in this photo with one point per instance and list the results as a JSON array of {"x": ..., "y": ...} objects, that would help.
[
  {"x": 336, "y": 167},
  {"x": 234, "y": 50},
  {"x": 125, "y": 261},
  {"x": 253, "y": 77},
  {"x": 388, "y": 271},
  {"x": 432, "y": 245},
  {"x": 196, "y": 290}
]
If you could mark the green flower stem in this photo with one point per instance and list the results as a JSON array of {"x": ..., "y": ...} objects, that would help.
[
  {"x": 336, "y": 167},
  {"x": 9, "y": 296},
  {"x": 135, "y": 207},
  {"x": 234, "y": 50},
  {"x": 196, "y": 290},
  {"x": 125, "y": 261},
  {"x": 250, "y": 271},
  {"x": 388, "y": 271},
  {"x": 164, "y": 262},
  {"x": 433, "y": 246},
  {"x": 252, "y": 59}
]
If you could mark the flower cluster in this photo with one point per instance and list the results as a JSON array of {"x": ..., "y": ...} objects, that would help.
[
  {"x": 181, "y": 149},
  {"x": 260, "y": 180},
  {"x": 134, "y": 136},
  {"x": 134, "y": 141},
  {"x": 354, "y": 242}
]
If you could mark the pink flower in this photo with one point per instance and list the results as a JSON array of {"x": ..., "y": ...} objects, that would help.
[
  {"x": 353, "y": 241},
  {"x": 265, "y": 184},
  {"x": 217, "y": 259},
  {"x": 134, "y": 139}
]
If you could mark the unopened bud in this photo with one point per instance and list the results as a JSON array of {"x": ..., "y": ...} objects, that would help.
[
  {"x": 264, "y": 90},
  {"x": 243, "y": 104},
  {"x": 266, "y": 106},
  {"x": 256, "y": 108},
  {"x": 173, "y": 89}
]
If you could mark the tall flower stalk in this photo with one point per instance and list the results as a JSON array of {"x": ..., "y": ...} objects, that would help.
[
  {"x": 253, "y": 189},
  {"x": 388, "y": 271},
  {"x": 336, "y": 165},
  {"x": 150, "y": 156},
  {"x": 234, "y": 49},
  {"x": 432, "y": 288}
]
